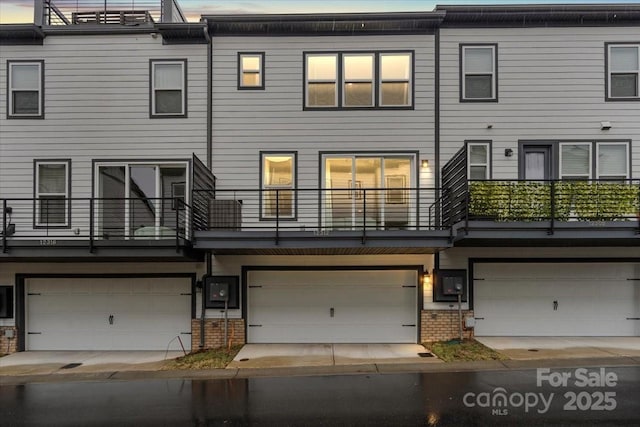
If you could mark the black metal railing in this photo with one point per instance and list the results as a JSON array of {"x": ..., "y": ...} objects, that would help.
[
  {"x": 319, "y": 210},
  {"x": 549, "y": 200},
  {"x": 48, "y": 220},
  {"x": 109, "y": 12}
]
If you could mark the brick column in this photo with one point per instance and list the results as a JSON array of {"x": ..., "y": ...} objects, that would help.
[
  {"x": 214, "y": 333},
  {"x": 8, "y": 345},
  {"x": 442, "y": 325}
]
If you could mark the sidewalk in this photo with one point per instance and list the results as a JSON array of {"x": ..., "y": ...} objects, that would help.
[{"x": 373, "y": 368}]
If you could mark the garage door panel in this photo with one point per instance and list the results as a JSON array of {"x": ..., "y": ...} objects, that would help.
[
  {"x": 593, "y": 299},
  {"x": 368, "y": 306},
  {"x": 73, "y": 314}
]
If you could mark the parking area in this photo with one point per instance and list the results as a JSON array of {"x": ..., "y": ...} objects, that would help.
[{"x": 529, "y": 348}]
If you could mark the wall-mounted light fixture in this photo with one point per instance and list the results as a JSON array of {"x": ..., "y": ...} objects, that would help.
[
  {"x": 508, "y": 152},
  {"x": 605, "y": 125},
  {"x": 425, "y": 164}
]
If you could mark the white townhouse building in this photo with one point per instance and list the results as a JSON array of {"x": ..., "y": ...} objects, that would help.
[{"x": 345, "y": 175}]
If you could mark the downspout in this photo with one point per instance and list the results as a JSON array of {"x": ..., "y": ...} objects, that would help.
[
  {"x": 208, "y": 254},
  {"x": 436, "y": 127}
]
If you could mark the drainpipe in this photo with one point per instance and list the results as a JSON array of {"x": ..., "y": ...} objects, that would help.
[{"x": 202, "y": 295}]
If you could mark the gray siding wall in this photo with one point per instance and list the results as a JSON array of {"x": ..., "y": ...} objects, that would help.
[
  {"x": 246, "y": 121},
  {"x": 551, "y": 85},
  {"x": 97, "y": 107}
]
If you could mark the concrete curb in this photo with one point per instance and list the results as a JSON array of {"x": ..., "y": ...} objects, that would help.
[{"x": 376, "y": 369}]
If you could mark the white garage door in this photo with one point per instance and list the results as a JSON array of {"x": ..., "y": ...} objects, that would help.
[
  {"x": 108, "y": 314},
  {"x": 332, "y": 306},
  {"x": 557, "y": 299}
]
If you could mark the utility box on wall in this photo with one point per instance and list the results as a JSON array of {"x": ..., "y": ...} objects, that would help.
[
  {"x": 219, "y": 288},
  {"x": 448, "y": 284},
  {"x": 6, "y": 302}
]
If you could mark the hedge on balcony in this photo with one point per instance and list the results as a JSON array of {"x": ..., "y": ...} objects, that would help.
[{"x": 531, "y": 201}]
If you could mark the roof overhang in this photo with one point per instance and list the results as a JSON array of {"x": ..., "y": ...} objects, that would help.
[
  {"x": 324, "y": 24},
  {"x": 183, "y": 33},
  {"x": 21, "y": 34}
]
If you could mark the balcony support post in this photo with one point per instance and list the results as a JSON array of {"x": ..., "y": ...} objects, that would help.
[
  {"x": 277, "y": 217},
  {"x": 177, "y": 204},
  {"x": 91, "y": 224},
  {"x": 364, "y": 215},
  {"x": 553, "y": 208},
  {"x": 4, "y": 226}
]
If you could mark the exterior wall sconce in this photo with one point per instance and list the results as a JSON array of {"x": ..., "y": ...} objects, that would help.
[
  {"x": 605, "y": 125},
  {"x": 508, "y": 152},
  {"x": 425, "y": 164}
]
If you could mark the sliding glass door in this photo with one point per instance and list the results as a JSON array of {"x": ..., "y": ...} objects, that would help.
[
  {"x": 371, "y": 191},
  {"x": 140, "y": 200}
]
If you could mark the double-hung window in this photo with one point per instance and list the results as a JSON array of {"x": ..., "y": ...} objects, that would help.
[
  {"x": 600, "y": 160},
  {"x": 168, "y": 88},
  {"x": 478, "y": 72},
  {"x": 25, "y": 89},
  {"x": 52, "y": 202},
  {"x": 351, "y": 80},
  {"x": 479, "y": 160},
  {"x": 623, "y": 71},
  {"x": 278, "y": 181},
  {"x": 251, "y": 70}
]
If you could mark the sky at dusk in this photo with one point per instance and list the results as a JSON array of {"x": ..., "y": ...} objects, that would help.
[{"x": 21, "y": 11}]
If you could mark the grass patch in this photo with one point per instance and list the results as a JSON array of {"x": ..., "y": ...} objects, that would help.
[
  {"x": 205, "y": 359},
  {"x": 465, "y": 351}
]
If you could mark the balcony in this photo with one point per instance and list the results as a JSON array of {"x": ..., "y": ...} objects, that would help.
[
  {"x": 321, "y": 221},
  {"x": 546, "y": 212},
  {"x": 96, "y": 227}
]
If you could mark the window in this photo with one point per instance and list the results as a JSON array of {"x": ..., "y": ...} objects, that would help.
[
  {"x": 359, "y": 80},
  {"x": 479, "y": 163},
  {"x": 611, "y": 160},
  {"x": 52, "y": 202},
  {"x": 251, "y": 70},
  {"x": 478, "y": 73},
  {"x": 623, "y": 71},
  {"x": 322, "y": 84},
  {"x": 278, "y": 181},
  {"x": 168, "y": 84},
  {"x": 26, "y": 89}
]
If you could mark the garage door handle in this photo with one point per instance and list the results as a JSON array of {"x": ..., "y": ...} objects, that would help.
[
  {"x": 111, "y": 319},
  {"x": 332, "y": 312},
  {"x": 555, "y": 306}
]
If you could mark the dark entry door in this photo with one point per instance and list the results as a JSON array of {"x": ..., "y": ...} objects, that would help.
[{"x": 536, "y": 162}]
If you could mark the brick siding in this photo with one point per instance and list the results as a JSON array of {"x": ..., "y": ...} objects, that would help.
[
  {"x": 440, "y": 325},
  {"x": 8, "y": 345},
  {"x": 214, "y": 333}
]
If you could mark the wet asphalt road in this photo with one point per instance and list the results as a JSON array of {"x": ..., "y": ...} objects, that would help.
[{"x": 560, "y": 397}]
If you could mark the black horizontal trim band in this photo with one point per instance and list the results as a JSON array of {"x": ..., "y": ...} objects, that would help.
[
  {"x": 34, "y": 333},
  {"x": 478, "y": 279},
  {"x": 33, "y": 294},
  {"x": 185, "y": 333},
  {"x": 256, "y": 286},
  {"x": 633, "y": 318},
  {"x": 408, "y": 286},
  {"x": 479, "y": 318},
  {"x": 409, "y": 326},
  {"x": 634, "y": 280},
  {"x": 255, "y": 326}
]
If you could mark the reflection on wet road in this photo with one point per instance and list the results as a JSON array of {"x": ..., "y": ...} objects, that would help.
[{"x": 564, "y": 396}]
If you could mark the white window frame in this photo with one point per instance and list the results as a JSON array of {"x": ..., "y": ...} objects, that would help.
[
  {"x": 308, "y": 80},
  {"x": 382, "y": 80},
  {"x": 39, "y": 89},
  {"x": 182, "y": 87},
  {"x": 626, "y": 163},
  {"x": 610, "y": 72},
  {"x": 575, "y": 176},
  {"x": 65, "y": 195},
  {"x": 465, "y": 73},
  {"x": 126, "y": 165},
  {"x": 242, "y": 71},
  {"x": 264, "y": 187},
  {"x": 346, "y": 81},
  {"x": 487, "y": 163}
]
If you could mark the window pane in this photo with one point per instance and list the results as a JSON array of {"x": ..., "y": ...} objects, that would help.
[
  {"x": 612, "y": 160},
  {"x": 26, "y": 102},
  {"x": 395, "y": 67},
  {"x": 478, "y": 87},
  {"x": 168, "y": 102},
  {"x": 358, "y": 67},
  {"x": 280, "y": 202},
  {"x": 624, "y": 85},
  {"x": 624, "y": 58},
  {"x": 394, "y": 94},
  {"x": 478, "y": 172},
  {"x": 278, "y": 171},
  {"x": 250, "y": 63},
  {"x": 25, "y": 76},
  {"x": 478, "y": 60},
  {"x": 52, "y": 210},
  {"x": 168, "y": 76},
  {"x": 478, "y": 154},
  {"x": 321, "y": 94},
  {"x": 250, "y": 79},
  {"x": 52, "y": 179},
  {"x": 321, "y": 67},
  {"x": 358, "y": 94},
  {"x": 575, "y": 159}
]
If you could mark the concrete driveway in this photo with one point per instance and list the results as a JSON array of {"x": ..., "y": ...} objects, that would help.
[
  {"x": 61, "y": 362},
  {"x": 295, "y": 355},
  {"x": 530, "y": 348}
]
